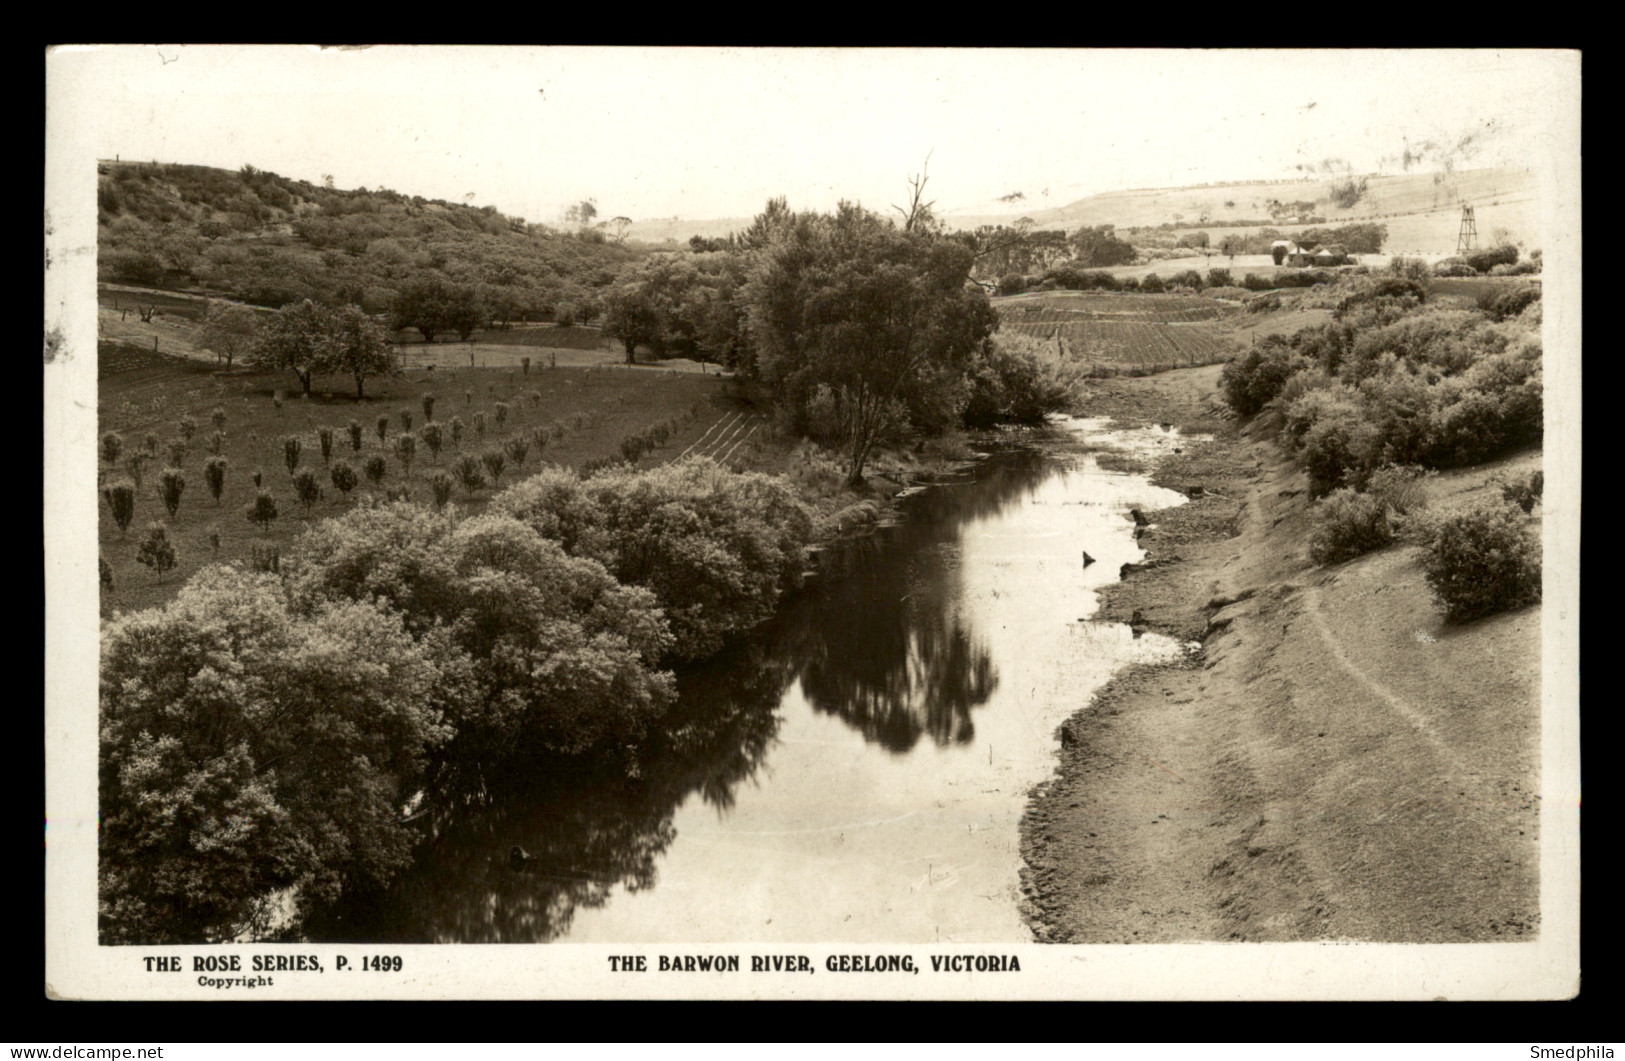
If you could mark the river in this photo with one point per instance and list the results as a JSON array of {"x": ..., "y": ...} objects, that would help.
[{"x": 853, "y": 771}]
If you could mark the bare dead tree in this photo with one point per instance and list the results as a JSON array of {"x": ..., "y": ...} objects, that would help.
[{"x": 918, "y": 215}]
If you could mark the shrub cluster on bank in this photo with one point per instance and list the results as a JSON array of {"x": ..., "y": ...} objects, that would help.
[
  {"x": 262, "y": 731},
  {"x": 1391, "y": 388}
]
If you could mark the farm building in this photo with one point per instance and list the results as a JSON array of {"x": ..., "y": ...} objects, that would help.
[{"x": 1331, "y": 254}]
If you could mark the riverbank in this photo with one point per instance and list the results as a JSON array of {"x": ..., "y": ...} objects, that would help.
[{"x": 1336, "y": 763}]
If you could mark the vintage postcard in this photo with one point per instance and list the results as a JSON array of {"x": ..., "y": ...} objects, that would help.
[{"x": 582, "y": 523}]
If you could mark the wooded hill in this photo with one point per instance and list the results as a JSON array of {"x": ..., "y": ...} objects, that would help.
[{"x": 272, "y": 240}]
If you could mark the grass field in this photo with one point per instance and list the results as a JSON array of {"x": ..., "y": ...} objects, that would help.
[{"x": 144, "y": 395}]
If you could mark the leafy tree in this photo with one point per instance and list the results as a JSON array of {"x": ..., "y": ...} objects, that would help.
[
  {"x": 884, "y": 319},
  {"x": 230, "y": 331},
  {"x": 354, "y": 428},
  {"x": 357, "y": 346},
  {"x": 112, "y": 446},
  {"x": 157, "y": 552},
  {"x": 214, "y": 474},
  {"x": 246, "y": 750},
  {"x": 1099, "y": 248},
  {"x": 406, "y": 419},
  {"x": 375, "y": 468},
  {"x": 188, "y": 428},
  {"x": 120, "y": 496},
  {"x": 405, "y": 449},
  {"x": 517, "y": 449},
  {"x": 456, "y": 426},
  {"x": 324, "y": 435},
  {"x": 631, "y": 317},
  {"x": 171, "y": 484},
  {"x": 428, "y": 407},
  {"x": 382, "y": 427},
  {"x": 177, "y": 452},
  {"x": 344, "y": 477}
]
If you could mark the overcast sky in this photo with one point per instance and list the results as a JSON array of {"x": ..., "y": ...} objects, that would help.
[{"x": 698, "y": 133}]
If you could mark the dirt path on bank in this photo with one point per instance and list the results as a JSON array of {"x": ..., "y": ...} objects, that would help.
[{"x": 1337, "y": 764}]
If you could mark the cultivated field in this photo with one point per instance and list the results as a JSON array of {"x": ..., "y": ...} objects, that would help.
[
  {"x": 1125, "y": 332},
  {"x": 585, "y": 414}
]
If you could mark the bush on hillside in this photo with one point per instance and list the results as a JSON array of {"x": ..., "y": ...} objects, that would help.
[
  {"x": 1500, "y": 305},
  {"x": 1251, "y": 382},
  {"x": 1526, "y": 491},
  {"x": 1453, "y": 267},
  {"x": 1339, "y": 449},
  {"x": 1483, "y": 561},
  {"x": 1485, "y": 260},
  {"x": 1012, "y": 284}
]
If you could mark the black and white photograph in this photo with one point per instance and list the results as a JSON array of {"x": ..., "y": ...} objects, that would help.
[{"x": 826, "y": 523}]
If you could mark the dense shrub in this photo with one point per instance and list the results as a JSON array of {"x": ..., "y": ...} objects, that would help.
[
  {"x": 1397, "y": 292},
  {"x": 1399, "y": 488},
  {"x": 1151, "y": 282},
  {"x": 1021, "y": 378},
  {"x": 718, "y": 548},
  {"x": 1348, "y": 524},
  {"x": 1310, "y": 397},
  {"x": 1218, "y": 277},
  {"x": 120, "y": 496},
  {"x": 262, "y": 510},
  {"x": 1339, "y": 449},
  {"x": 306, "y": 488},
  {"x": 1249, "y": 383},
  {"x": 1453, "y": 267},
  {"x": 555, "y": 654},
  {"x": 1485, "y": 260},
  {"x": 1012, "y": 284},
  {"x": 1254, "y": 282},
  {"x": 1483, "y": 561},
  {"x": 1500, "y": 305},
  {"x": 112, "y": 446}
]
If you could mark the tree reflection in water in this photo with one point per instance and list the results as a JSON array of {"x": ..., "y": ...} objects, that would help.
[
  {"x": 885, "y": 647},
  {"x": 878, "y": 641},
  {"x": 586, "y": 825}
]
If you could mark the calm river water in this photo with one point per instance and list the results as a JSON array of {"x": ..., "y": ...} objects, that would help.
[{"x": 856, "y": 769}]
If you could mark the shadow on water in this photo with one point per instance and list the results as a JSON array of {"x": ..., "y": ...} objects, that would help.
[
  {"x": 878, "y": 641},
  {"x": 584, "y": 826}
]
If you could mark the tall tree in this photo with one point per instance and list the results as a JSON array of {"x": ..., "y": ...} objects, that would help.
[{"x": 883, "y": 318}]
